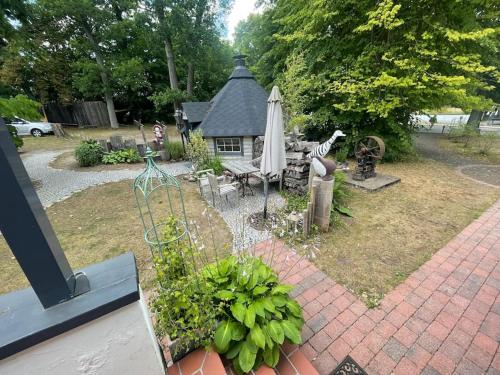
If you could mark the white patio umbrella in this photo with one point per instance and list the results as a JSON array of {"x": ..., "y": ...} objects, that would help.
[{"x": 273, "y": 155}]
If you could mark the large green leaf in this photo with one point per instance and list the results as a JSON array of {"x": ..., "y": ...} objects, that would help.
[
  {"x": 282, "y": 289},
  {"x": 276, "y": 331},
  {"x": 259, "y": 289},
  {"x": 247, "y": 355},
  {"x": 268, "y": 304},
  {"x": 271, "y": 355},
  {"x": 250, "y": 316},
  {"x": 234, "y": 350},
  {"x": 279, "y": 300},
  {"x": 238, "y": 311},
  {"x": 257, "y": 336},
  {"x": 225, "y": 295},
  {"x": 222, "y": 336},
  {"x": 291, "y": 331},
  {"x": 294, "y": 308},
  {"x": 238, "y": 332},
  {"x": 259, "y": 308},
  {"x": 344, "y": 210}
]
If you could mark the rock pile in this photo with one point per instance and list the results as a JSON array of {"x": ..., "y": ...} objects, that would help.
[{"x": 296, "y": 175}]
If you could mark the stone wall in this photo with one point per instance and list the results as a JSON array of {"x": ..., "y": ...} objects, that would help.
[{"x": 296, "y": 175}]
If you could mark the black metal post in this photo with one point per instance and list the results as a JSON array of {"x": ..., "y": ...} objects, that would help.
[{"x": 27, "y": 230}]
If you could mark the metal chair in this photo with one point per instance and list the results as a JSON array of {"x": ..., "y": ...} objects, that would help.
[
  {"x": 223, "y": 190},
  {"x": 203, "y": 179}
]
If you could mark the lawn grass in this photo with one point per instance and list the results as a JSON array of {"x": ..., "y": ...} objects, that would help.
[
  {"x": 76, "y": 135},
  {"x": 101, "y": 222},
  {"x": 396, "y": 230},
  {"x": 473, "y": 150}
]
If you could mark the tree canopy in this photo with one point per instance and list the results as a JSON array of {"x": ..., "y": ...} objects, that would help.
[
  {"x": 368, "y": 66},
  {"x": 113, "y": 50}
]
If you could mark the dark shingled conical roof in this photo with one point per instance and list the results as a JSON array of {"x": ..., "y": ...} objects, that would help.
[{"x": 239, "y": 108}]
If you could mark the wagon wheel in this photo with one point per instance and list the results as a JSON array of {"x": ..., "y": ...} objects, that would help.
[{"x": 370, "y": 146}]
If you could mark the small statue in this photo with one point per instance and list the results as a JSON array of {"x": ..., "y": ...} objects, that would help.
[
  {"x": 323, "y": 148},
  {"x": 325, "y": 168}
]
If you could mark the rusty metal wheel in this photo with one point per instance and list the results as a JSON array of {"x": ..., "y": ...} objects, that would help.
[{"x": 370, "y": 146}]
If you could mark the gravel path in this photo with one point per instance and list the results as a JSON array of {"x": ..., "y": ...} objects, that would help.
[
  {"x": 236, "y": 216},
  {"x": 427, "y": 145},
  {"x": 59, "y": 184}
]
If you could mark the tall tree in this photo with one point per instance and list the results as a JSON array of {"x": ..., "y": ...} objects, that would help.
[
  {"x": 91, "y": 22},
  {"x": 375, "y": 64}
]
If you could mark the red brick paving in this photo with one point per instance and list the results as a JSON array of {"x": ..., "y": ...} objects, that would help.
[{"x": 444, "y": 319}]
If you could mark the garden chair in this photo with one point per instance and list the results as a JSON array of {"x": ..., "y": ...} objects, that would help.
[
  {"x": 203, "y": 179},
  {"x": 221, "y": 191}
]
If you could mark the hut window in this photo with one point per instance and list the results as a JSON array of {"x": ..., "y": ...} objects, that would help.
[{"x": 226, "y": 145}]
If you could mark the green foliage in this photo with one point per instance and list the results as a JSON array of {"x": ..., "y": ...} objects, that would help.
[
  {"x": 367, "y": 66},
  {"x": 340, "y": 195},
  {"x": 214, "y": 163},
  {"x": 183, "y": 305},
  {"x": 129, "y": 156},
  {"x": 175, "y": 150},
  {"x": 89, "y": 153},
  {"x": 197, "y": 150},
  {"x": 295, "y": 202},
  {"x": 257, "y": 315},
  {"x": 20, "y": 106},
  {"x": 163, "y": 99},
  {"x": 18, "y": 141},
  {"x": 342, "y": 154}
]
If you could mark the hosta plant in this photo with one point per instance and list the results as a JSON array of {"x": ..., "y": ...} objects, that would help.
[{"x": 257, "y": 313}]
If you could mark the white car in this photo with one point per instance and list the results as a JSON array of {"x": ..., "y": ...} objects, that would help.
[{"x": 36, "y": 129}]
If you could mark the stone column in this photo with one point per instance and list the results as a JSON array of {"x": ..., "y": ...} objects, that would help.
[{"x": 323, "y": 202}]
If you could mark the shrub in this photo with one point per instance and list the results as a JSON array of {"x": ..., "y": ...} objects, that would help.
[
  {"x": 88, "y": 153},
  {"x": 214, "y": 163},
  {"x": 257, "y": 313},
  {"x": 18, "y": 141},
  {"x": 197, "y": 150},
  {"x": 175, "y": 150},
  {"x": 183, "y": 304},
  {"x": 129, "y": 156},
  {"x": 340, "y": 194}
]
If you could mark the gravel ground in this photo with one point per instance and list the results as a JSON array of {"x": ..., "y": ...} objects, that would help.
[
  {"x": 236, "y": 215},
  {"x": 58, "y": 184}
]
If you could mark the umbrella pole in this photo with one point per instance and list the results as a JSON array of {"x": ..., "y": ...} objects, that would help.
[{"x": 266, "y": 192}]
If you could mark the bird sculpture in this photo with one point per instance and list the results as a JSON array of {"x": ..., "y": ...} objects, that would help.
[
  {"x": 325, "y": 168},
  {"x": 323, "y": 148}
]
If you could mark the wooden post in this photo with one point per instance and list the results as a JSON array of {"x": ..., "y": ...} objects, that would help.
[
  {"x": 323, "y": 203},
  {"x": 305, "y": 225}
]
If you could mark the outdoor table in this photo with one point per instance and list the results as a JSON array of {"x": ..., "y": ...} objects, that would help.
[{"x": 241, "y": 170}]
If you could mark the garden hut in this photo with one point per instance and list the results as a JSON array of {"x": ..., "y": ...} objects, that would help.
[{"x": 234, "y": 117}]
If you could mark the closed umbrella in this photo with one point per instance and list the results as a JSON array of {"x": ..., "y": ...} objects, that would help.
[{"x": 273, "y": 155}]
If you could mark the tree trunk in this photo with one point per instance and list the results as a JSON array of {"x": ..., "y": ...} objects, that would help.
[
  {"x": 172, "y": 72},
  {"x": 104, "y": 79},
  {"x": 190, "y": 79}
]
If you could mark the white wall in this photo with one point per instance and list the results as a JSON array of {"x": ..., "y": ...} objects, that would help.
[
  {"x": 247, "y": 149},
  {"x": 121, "y": 342}
]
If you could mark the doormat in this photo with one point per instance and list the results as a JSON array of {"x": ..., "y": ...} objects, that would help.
[{"x": 348, "y": 366}]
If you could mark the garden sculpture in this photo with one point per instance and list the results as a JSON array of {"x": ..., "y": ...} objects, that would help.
[
  {"x": 323, "y": 148},
  {"x": 325, "y": 168},
  {"x": 368, "y": 151}
]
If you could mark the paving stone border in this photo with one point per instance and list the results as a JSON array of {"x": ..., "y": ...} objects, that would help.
[{"x": 444, "y": 319}]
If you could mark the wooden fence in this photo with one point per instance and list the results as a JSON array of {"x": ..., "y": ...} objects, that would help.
[{"x": 79, "y": 113}]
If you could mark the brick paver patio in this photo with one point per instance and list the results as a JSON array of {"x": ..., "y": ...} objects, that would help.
[{"x": 445, "y": 318}]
